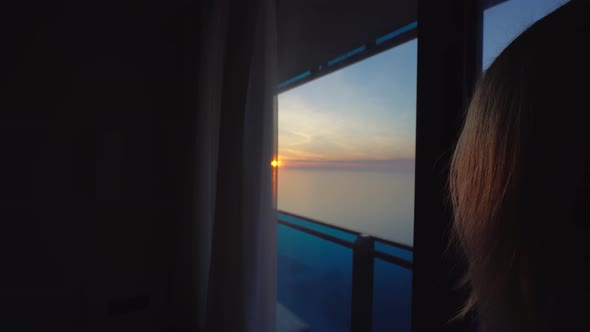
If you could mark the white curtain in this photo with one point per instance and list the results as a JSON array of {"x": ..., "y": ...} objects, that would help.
[{"x": 235, "y": 247}]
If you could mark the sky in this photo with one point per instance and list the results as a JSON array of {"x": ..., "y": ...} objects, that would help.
[
  {"x": 365, "y": 114},
  {"x": 365, "y": 111}
]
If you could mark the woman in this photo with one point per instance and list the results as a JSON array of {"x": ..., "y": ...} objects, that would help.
[{"x": 520, "y": 180}]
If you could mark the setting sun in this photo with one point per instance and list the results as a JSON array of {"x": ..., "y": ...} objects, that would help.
[{"x": 275, "y": 163}]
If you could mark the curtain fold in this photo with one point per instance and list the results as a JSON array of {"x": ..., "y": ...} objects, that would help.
[{"x": 235, "y": 247}]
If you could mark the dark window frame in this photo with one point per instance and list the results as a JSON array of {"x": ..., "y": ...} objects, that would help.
[
  {"x": 357, "y": 53},
  {"x": 449, "y": 64}
]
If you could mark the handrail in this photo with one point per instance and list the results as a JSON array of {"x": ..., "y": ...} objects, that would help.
[
  {"x": 319, "y": 222},
  {"x": 377, "y": 254},
  {"x": 318, "y": 234},
  {"x": 388, "y": 242},
  {"x": 395, "y": 244},
  {"x": 392, "y": 259}
]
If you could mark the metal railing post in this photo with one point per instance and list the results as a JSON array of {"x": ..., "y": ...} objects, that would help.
[{"x": 362, "y": 284}]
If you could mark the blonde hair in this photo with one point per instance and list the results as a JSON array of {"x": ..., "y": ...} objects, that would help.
[{"x": 504, "y": 185}]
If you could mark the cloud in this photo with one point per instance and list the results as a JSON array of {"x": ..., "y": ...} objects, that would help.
[
  {"x": 353, "y": 133},
  {"x": 362, "y": 112}
]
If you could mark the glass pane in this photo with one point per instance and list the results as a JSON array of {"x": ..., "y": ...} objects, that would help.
[
  {"x": 314, "y": 281},
  {"x": 346, "y": 166},
  {"x": 347, "y": 146},
  {"x": 392, "y": 298},
  {"x": 504, "y": 22}
]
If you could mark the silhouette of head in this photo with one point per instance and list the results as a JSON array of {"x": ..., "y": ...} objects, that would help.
[{"x": 519, "y": 179}]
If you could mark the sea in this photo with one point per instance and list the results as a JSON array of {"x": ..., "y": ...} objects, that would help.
[
  {"x": 379, "y": 203},
  {"x": 314, "y": 276}
]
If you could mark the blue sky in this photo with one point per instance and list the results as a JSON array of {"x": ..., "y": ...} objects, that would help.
[
  {"x": 367, "y": 111},
  {"x": 364, "y": 111}
]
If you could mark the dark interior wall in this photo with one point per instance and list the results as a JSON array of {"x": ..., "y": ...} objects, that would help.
[{"x": 94, "y": 147}]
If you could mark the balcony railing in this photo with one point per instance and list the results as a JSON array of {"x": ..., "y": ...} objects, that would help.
[{"x": 336, "y": 279}]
